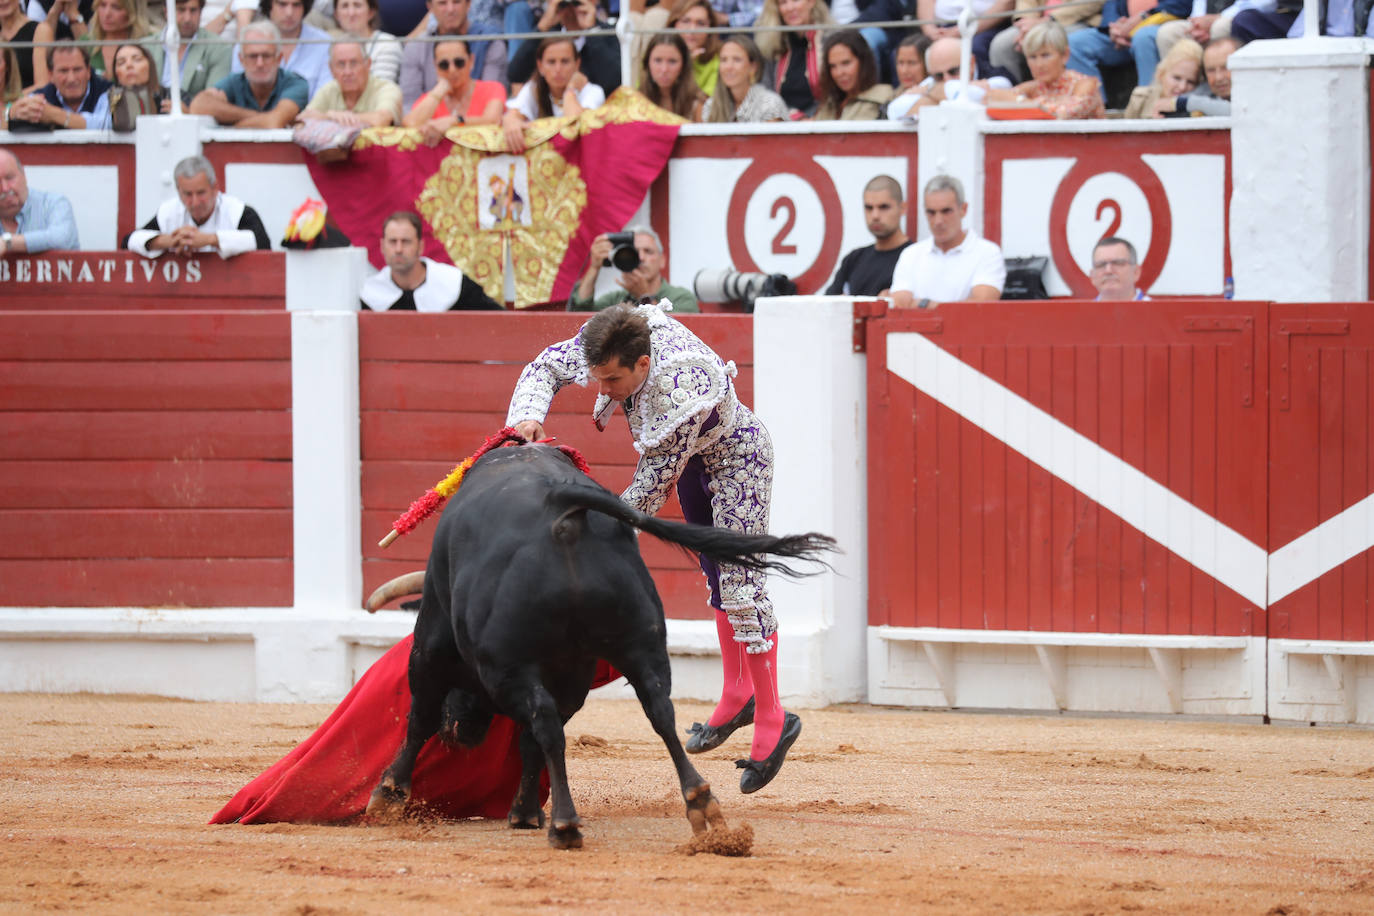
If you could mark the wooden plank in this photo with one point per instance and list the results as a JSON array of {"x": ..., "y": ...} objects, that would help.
[
  {"x": 1086, "y": 569},
  {"x": 167, "y": 583},
  {"x": 515, "y": 338},
  {"x": 74, "y": 277},
  {"x": 163, "y": 385},
  {"x": 1113, "y": 582},
  {"x": 1018, "y": 507},
  {"x": 144, "y": 533},
  {"x": 1156, "y": 465},
  {"x": 1180, "y": 480},
  {"x": 1332, "y": 410},
  {"x": 1357, "y": 608},
  {"x": 82, "y": 335},
  {"x": 43, "y": 302},
  {"x": 973, "y": 500},
  {"x": 995, "y": 460},
  {"x": 1040, "y": 503},
  {"x": 237, "y": 484},
  {"x": 179, "y": 435},
  {"x": 1205, "y": 452},
  {"x": 452, "y": 436},
  {"x": 1063, "y": 498}
]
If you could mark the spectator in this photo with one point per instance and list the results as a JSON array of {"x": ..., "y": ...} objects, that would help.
[
  {"x": 946, "y": 13},
  {"x": 792, "y": 59},
  {"x": 911, "y": 75},
  {"x": 1214, "y": 96},
  {"x": 74, "y": 99},
  {"x": 740, "y": 14},
  {"x": 304, "y": 48},
  {"x": 667, "y": 80},
  {"x": 867, "y": 271},
  {"x": 550, "y": 93},
  {"x": 66, "y": 18},
  {"x": 118, "y": 20},
  {"x": 850, "y": 90},
  {"x": 411, "y": 283},
  {"x": 31, "y": 61},
  {"x": 32, "y": 221},
  {"x": 1121, "y": 38},
  {"x": 487, "y": 58},
  {"x": 599, "y": 55},
  {"x": 9, "y": 85},
  {"x": 1061, "y": 92},
  {"x": 1005, "y": 51},
  {"x": 854, "y": 15},
  {"x": 739, "y": 96},
  {"x": 1256, "y": 19},
  {"x": 203, "y": 61},
  {"x": 456, "y": 98},
  {"x": 264, "y": 94},
  {"x": 943, "y": 83},
  {"x": 354, "y": 97},
  {"x": 1116, "y": 271},
  {"x": 954, "y": 264},
  {"x": 136, "y": 90},
  {"x": 358, "y": 19},
  {"x": 644, "y": 280},
  {"x": 703, "y": 47},
  {"x": 1178, "y": 73},
  {"x": 228, "y": 18},
  {"x": 200, "y": 218},
  {"x": 1209, "y": 20}
]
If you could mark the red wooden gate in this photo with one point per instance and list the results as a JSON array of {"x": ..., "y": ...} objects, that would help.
[
  {"x": 1073, "y": 467},
  {"x": 1321, "y": 521}
]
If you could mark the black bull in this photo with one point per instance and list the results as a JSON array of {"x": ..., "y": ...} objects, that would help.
[{"x": 525, "y": 590}]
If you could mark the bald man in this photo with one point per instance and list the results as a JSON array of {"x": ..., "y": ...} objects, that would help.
[
  {"x": 867, "y": 271},
  {"x": 32, "y": 221}
]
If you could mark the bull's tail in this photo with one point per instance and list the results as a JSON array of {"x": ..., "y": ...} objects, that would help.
[{"x": 752, "y": 551}]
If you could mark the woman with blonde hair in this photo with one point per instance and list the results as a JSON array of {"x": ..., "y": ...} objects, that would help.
[
  {"x": 793, "y": 59},
  {"x": 9, "y": 85},
  {"x": 739, "y": 96},
  {"x": 849, "y": 80},
  {"x": 689, "y": 16},
  {"x": 1178, "y": 73},
  {"x": 1060, "y": 92},
  {"x": 667, "y": 79},
  {"x": 122, "y": 20}
]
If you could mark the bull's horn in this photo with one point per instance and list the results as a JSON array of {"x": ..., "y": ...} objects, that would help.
[{"x": 409, "y": 584}]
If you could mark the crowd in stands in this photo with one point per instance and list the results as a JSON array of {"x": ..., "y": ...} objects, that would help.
[{"x": 100, "y": 63}]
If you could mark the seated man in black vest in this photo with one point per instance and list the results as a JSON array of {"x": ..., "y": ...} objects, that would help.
[
  {"x": 413, "y": 283},
  {"x": 75, "y": 99},
  {"x": 201, "y": 218}
]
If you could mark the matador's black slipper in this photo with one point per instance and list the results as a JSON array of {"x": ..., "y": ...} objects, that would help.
[
  {"x": 759, "y": 773},
  {"x": 708, "y": 737}
]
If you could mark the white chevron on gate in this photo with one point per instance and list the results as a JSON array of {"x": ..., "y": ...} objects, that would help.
[{"x": 1143, "y": 503}]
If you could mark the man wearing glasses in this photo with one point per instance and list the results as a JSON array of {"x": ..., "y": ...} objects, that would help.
[
  {"x": 263, "y": 95},
  {"x": 1116, "y": 271}
]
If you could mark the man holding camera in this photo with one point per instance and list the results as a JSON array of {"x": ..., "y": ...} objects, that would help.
[{"x": 639, "y": 282}]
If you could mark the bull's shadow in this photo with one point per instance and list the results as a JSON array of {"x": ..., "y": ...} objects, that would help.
[{"x": 534, "y": 575}]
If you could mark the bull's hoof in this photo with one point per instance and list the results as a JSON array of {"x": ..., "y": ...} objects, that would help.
[
  {"x": 709, "y": 737},
  {"x": 568, "y": 836},
  {"x": 526, "y": 820},
  {"x": 388, "y": 803},
  {"x": 759, "y": 773}
]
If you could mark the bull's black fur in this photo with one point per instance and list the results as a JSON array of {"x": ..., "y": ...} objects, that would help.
[{"x": 534, "y": 575}]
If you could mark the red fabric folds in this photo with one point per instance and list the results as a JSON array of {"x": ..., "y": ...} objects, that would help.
[{"x": 330, "y": 776}]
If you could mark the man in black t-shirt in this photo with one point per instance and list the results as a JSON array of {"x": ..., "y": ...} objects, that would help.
[
  {"x": 412, "y": 283},
  {"x": 868, "y": 271}
]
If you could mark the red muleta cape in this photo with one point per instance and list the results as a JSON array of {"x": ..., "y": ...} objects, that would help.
[{"x": 330, "y": 775}]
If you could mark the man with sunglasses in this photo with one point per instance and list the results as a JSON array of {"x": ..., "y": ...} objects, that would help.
[
  {"x": 264, "y": 94},
  {"x": 1116, "y": 271},
  {"x": 942, "y": 63},
  {"x": 486, "y": 59}
]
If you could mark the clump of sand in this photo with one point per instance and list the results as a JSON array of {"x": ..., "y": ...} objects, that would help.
[{"x": 721, "y": 841}]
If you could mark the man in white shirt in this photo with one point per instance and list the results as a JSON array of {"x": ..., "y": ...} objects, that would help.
[
  {"x": 954, "y": 263},
  {"x": 200, "y": 218}
]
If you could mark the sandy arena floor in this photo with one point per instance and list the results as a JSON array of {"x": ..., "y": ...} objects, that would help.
[{"x": 877, "y": 810}]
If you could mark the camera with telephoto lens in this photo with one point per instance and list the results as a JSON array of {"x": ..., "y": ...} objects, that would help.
[
  {"x": 725, "y": 284},
  {"x": 624, "y": 255}
]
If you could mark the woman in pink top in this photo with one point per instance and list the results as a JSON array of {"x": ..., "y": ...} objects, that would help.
[
  {"x": 456, "y": 98},
  {"x": 1065, "y": 94}
]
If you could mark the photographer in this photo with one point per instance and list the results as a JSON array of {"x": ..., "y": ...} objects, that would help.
[{"x": 644, "y": 280}]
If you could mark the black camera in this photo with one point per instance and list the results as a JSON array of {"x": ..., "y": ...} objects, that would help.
[
  {"x": 624, "y": 255},
  {"x": 724, "y": 284},
  {"x": 566, "y": 4}
]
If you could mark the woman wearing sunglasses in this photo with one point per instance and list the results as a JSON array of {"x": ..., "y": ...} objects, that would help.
[{"x": 456, "y": 99}]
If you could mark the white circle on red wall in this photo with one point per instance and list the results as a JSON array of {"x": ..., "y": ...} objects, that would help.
[
  {"x": 784, "y": 225},
  {"x": 1107, "y": 204}
]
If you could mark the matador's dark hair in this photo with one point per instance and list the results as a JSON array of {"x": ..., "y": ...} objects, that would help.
[{"x": 619, "y": 333}]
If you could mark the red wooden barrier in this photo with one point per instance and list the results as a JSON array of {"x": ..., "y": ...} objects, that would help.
[
  {"x": 145, "y": 458},
  {"x": 120, "y": 280},
  {"x": 1321, "y": 487},
  {"x": 1138, "y": 402},
  {"x": 433, "y": 387}
]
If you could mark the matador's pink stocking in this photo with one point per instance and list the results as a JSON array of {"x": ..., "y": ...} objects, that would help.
[
  {"x": 768, "y": 711},
  {"x": 737, "y": 688}
]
